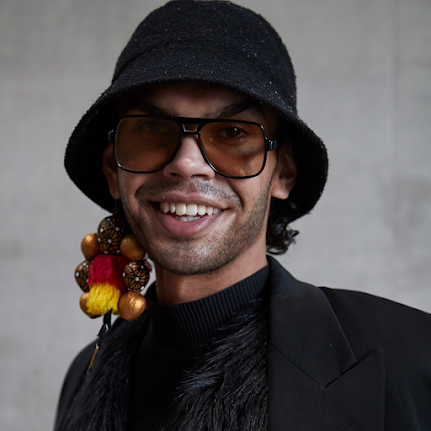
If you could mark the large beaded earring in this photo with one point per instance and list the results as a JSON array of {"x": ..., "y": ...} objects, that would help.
[
  {"x": 114, "y": 271},
  {"x": 113, "y": 274}
]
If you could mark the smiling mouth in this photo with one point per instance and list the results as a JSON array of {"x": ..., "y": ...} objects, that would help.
[{"x": 188, "y": 212}]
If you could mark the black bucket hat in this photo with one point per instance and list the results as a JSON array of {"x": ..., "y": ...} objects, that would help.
[{"x": 212, "y": 42}]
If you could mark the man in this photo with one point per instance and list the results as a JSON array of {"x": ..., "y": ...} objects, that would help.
[{"x": 211, "y": 162}]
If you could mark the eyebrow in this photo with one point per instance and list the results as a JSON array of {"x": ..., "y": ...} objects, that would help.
[
  {"x": 223, "y": 112},
  {"x": 144, "y": 106},
  {"x": 237, "y": 108}
]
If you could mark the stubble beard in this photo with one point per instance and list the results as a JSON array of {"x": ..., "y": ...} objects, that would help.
[{"x": 193, "y": 256}]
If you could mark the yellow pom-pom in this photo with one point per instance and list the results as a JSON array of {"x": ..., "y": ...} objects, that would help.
[{"x": 103, "y": 297}]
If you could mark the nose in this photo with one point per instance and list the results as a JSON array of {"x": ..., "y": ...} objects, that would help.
[{"x": 189, "y": 161}]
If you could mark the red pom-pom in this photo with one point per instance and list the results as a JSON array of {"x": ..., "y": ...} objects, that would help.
[{"x": 107, "y": 268}]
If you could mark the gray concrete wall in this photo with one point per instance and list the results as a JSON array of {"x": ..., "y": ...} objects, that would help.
[{"x": 364, "y": 78}]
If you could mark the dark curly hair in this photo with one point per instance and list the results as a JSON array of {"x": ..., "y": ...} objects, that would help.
[
  {"x": 282, "y": 212},
  {"x": 278, "y": 235}
]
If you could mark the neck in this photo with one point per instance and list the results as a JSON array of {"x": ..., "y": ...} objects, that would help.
[{"x": 176, "y": 289}]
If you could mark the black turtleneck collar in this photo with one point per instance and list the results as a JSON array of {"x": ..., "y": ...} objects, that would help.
[{"x": 182, "y": 326}]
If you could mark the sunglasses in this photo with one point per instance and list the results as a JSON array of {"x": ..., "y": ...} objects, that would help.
[{"x": 234, "y": 149}]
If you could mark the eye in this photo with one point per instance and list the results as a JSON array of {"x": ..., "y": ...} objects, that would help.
[
  {"x": 230, "y": 133},
  {"x": 155, "y": 127},
  {"x": 233, "y": 132}
]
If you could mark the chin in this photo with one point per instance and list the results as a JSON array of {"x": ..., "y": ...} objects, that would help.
[{"x": 189, "y": 259}]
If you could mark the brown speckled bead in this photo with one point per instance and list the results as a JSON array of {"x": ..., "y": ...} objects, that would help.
[
  {"x": 81, "y": 275},
  {"x": 136, "y": 275},
  {"x": 110, "y": 233}
]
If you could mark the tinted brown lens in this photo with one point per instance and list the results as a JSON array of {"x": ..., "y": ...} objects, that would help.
[
  {"x": 145, "y": 144},
  {"x": 234, "y": 148}
]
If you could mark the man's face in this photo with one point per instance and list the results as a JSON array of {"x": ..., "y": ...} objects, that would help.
[{"x": 232, "y": 214}]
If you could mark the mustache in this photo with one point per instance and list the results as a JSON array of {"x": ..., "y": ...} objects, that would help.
[{"x": 194, "y": 186}]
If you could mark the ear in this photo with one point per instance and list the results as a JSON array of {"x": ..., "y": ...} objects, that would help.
[
  {"x": 109, "y": 168},
  {"x": 284, "y": 177}
]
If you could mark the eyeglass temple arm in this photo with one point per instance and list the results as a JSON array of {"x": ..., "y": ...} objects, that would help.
[{"x": 274, "y": 144}]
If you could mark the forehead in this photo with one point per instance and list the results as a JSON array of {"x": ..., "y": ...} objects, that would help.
[{"x": 194, "y": 100}]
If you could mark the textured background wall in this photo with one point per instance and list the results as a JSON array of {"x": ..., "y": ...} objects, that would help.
[{"x": 364, "y": 78}]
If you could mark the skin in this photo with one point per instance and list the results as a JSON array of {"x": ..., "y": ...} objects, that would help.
[{"x": 199, "y": 258}]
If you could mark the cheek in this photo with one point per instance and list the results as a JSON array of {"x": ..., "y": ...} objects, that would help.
[
  {"x": 253, "y": 192},
  {"x": 129, "y": 183},
  {"x": 259, "y": 187}
]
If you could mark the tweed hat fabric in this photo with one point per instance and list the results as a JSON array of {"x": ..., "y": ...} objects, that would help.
[{"x": 212, "y": 42}]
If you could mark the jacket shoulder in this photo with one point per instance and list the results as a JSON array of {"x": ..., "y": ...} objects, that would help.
[
  {"x": 385, "y": 318},
  {"x": 367, "y": 320}
]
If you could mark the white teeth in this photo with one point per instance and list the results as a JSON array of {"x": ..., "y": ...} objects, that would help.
[
  {"x": 202, "y": 210},
  {"x": 187, "y": 218},
  {"x": 192, "y": 209},
  {"x": 188, "y": 212},
  {"x": 180, "y": 209}
]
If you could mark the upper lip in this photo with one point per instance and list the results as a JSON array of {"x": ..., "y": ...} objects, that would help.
[{"x": 190, "y": 199}]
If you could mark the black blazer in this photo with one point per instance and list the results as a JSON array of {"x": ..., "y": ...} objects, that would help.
[
  {"x": 337, "y": 361},
  {"x": 345, "y": 361}
]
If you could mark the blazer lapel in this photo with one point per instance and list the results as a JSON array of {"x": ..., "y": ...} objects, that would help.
[{"x": 314, "y": 379}]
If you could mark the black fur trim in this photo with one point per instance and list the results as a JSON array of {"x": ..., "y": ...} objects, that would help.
[
  {"x": 101, "y": 402},
  {"x": 227, "y": 387}
]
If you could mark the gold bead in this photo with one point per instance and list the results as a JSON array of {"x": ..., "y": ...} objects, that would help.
[
  {"x": 81, "y": 275},
  {"x": 90, "y": 246},
  {"x": 131, "y": 249},
  {"x": 131, "y": 305},
  {"x": 83, "y": 305}
]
